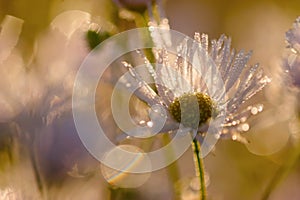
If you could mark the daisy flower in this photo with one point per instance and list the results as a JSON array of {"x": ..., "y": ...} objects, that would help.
[
  {"x": 199, "y": 89},
  {"x": 195, "y": 99}
]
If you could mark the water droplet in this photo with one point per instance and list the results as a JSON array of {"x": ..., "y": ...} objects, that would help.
[
  {"x": 165, "y": 21},
  {"x": 151, "y": 28},
  {"x": 197, "y": 37},
  {"x": 129, "y": 67},
  {"x": 234, "y": 137},
  {"x": 217, "y": 136},
  {"x": 265, "y": 80},
  {"x": 225, "y": 131},
  {"x": 293, "y": 50},
  {"x": 245, "y": 127},
  {"x": 131, "y": 71},
  {"x": 260, "y": 108},
  {"x": 254, "y": 110},
  {"x": 243, "y": 119},
  {"x": 142, "y": 122},
  {"x": 150, "y": 124},
  {"x": 194, "y": 184}
]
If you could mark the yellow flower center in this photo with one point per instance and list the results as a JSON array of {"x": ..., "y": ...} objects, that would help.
[{"x": 192, "y": 109}]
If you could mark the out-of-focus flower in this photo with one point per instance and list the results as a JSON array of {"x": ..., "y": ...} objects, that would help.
[
  {"x": 58, "y": 54},
  {"x": 279, "y": 125},
  {"x": 12, "y": 70},
  {"x": 49, "y": 77},
  {"x": 61, "y": 49},
  {"x": 292, "y": 60},
  {"x": 34, "y": 95},
  {"x": 292, "y": 66},
  {"x": 178, "y": 86}
]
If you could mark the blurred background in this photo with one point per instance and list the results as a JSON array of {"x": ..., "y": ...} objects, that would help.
[{"x": 40, "y": 152}]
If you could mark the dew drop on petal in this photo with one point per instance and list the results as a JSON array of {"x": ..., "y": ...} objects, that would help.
[
  {"x": 260, "y": 108},
  {"x": 151, "y": 28},
  {"x": 245, "y": 127},
  {"x": 150, "y": 124},
  {"x": 254, "y": 110},
  {"x": 234, "y": 123},
  {"x": 243, "y": 119},
  {"x": 142, "y": 122},
  {"x": 294, "y": 50},
  {"x": 131, "y": 72}
]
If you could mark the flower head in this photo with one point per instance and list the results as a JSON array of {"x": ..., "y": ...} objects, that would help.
[{"x": 195, "y": 98}]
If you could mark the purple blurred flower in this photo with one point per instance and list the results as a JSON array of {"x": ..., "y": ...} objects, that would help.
[{"x": 292, "y": 59}]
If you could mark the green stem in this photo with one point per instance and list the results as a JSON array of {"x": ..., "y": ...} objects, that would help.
[
  {"x": 114, "y": 193},
  {"x": 200, "y": 168}
]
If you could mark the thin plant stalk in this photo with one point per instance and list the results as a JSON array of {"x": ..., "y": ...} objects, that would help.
[
  {"x": 114, "y": 193},
  {"x": 140, "y": 21},
  {"x": 36, "y": 172},
  {"x": 199, "y": 166},
  {"x": 173, "y": 171}
]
